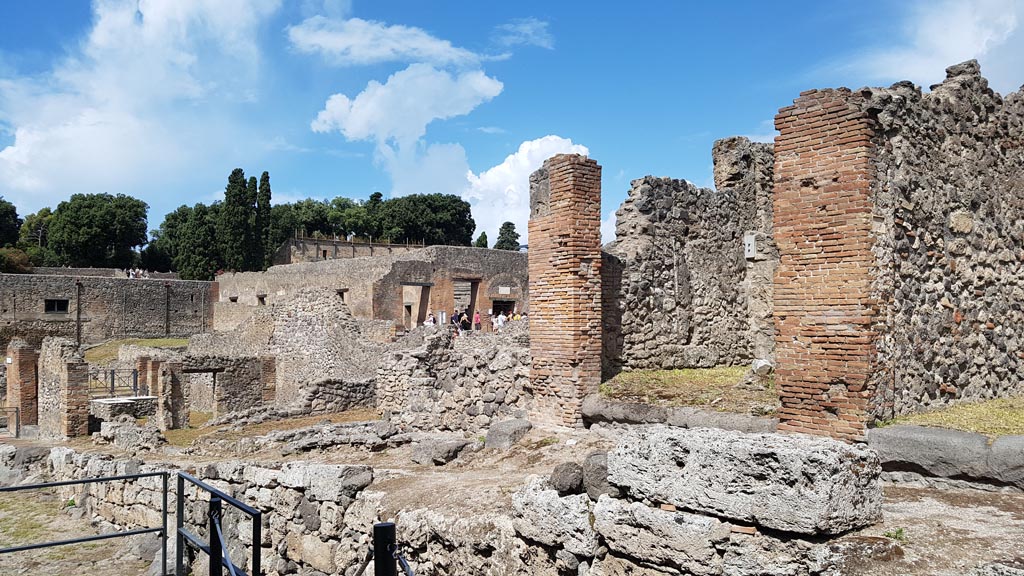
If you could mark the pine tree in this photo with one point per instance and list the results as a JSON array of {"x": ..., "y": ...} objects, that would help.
[
  {"x": 263, "y": 222},
  {"x": 253, "y": 250},
  {"x": 481, "y": 241},
  {"x": 508, "y": 238}
]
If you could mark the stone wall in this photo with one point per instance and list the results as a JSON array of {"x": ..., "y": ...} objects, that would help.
[
  {"x": 464, "y": 386},
  {"x": 296, "y": 250},
  {"x": 683, "y": 290},
  {"x": 63, "y": 390},
  {"x": 898, "y": 216},
  {"x": 23, "y": 381},
  {"x": 99, "y": 272},
  {"x": 101, "y": 308},
  {"x": 565, "y": 287}
]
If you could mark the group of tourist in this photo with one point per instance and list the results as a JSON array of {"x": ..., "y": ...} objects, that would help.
[
  {"x": 137, "y": 273},
  {"x": 462, "y": 323}
]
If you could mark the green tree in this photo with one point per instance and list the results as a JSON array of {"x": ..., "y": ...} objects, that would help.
[
  {"x": 481, "y": 240},
  {"x": 508, "y": 238},
  {"x": 234, "y": 226},
  {"x": 427, "y": 218},
  {"x": 283, "y": 224},
  {"x": 197, "y": 257},
  {"x": 10, "y": 224},
  {"x": 14, "y": 261},
  {"x": 252, "y": 248},
  {"x": 97, "y": 230},
  {"x": 34, "y": 229},
  {"x": 266, "y": 248}
]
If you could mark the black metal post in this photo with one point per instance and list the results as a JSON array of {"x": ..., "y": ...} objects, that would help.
[
  {"x": 135, "y": 382},
  {"x": 257, "y": 542},
  {"x": 179, "y": 538},
  {"x": 216, "y": 552},
  {"x": 163, "y": 535},
  {"x": 112, "y": 376},
  {"x": 384, "y": 542}
]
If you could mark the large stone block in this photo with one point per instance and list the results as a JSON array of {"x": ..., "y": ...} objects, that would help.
[
  {"x": 541, "y": 515},
  {"x": 682, "y": 542},
  {"x": 793, "y": 483},
  {"x": 931, "y": 451}
]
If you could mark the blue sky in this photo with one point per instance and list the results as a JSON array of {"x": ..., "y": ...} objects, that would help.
[{"x": 162, "y": 99}]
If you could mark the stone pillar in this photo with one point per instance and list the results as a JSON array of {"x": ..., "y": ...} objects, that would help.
[
  {"x": 565, "y": 287},
  {"x": 171, "y": 408},
  {"x": 23, "y": 381},
  {"x": 824, "y": 304},
  {"x": 142, "y": 370},
  {"x": 268, "y": 378},
  {"x": 75, "y": 416},
  {"x": 63, "y": 390},
  {"x": 153, "y": 378}
]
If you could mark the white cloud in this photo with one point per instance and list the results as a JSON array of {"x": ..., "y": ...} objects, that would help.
[
  {"x": 128, "y": 103},
  {"x": 400, "y": 109},
  {"x": 502, "y": 193},
  {"x": 355, "y": 41},
  {"x": 437, "y": 168},
  {"x": 608, "y": 227},
  {"x": 525, "y": 32},
  {"x": 939, "y": 34}
]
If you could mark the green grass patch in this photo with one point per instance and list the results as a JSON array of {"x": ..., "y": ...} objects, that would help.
[
  {"x": 106, "y": 353},
  {"x": 196, "y": 428},
  {"x": 993, "y": 418},
  {"x": 721, "y": 388}
]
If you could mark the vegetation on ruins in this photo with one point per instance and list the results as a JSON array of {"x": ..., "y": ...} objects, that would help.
[
  {"x": 10, "y": 224},
  {"x": 508, "y": 238},
  {"x": 98, "y": 230},
  {"x": 481, "y": 240}
]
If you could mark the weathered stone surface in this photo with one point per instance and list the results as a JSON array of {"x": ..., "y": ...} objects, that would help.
[
  {"x": 438, "y": 451},
  {"x": 688, "y": 417},
  {"x": 615, "y": 566},
  {"x": 1006, "y": 460},
  {"x": 326, "y": 482},
  {"x": 932, "y": 451},
  {"x": 598, "y": 409},
  {"x": 124, "y": 433},
  {"x": 673, "y": 541},
  {"x": 595, "y": 476},
  {"x": 998, "y": 569},
  {"x": 792, "y": 483},
  {"x": 541, "y": 515},
  {"x": 567, "y": 478},
  {"x": 504, "y": 435}
]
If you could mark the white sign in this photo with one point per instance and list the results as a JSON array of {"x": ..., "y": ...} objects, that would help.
[{"x": 504, "y": 290}]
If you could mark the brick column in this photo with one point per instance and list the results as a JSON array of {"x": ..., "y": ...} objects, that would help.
[
  {"x": 23, "y": 381},
  {"x": 565, "y": 287},
  {"x": 75, "y": 416},
  {"x": 142, "y": 370},
  {"x": 824, "y": 306}
]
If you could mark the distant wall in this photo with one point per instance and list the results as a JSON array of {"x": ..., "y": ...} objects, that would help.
[
  {"x": 680, "y": 289},
  {"x": 99, "y": 272},
  {"x": 296, "y": 250},
  {"x": 110, "y": 307}
]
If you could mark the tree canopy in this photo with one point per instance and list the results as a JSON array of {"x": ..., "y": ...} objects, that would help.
[
  {"x": 97, "y": 230},
  {"x": 508, "y": 238}
]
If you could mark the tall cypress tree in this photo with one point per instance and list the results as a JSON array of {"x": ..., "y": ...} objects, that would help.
[
  {"x": 253, "y": 249},
  {"x": 233, "y": 222},
  {"x": 266, "y": 247}
]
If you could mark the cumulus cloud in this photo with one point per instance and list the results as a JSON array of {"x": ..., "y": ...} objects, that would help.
[
  {"x": 939, "y": 34},
  {"x": 354, "y": 41},
  {"x": 400, "y": 109},
  {"x": 525, "y": 32},
  {"x": 608, "y": 227},
  {"x": 502, "y": 193},
  {"x": 127, "y": 104}
]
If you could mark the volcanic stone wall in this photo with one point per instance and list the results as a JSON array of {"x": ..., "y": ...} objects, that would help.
[
  {"x": 680, "y": 290},
  {"x": 565, "y": 287},
  {"x": 110, "y": 307},
  {"x": 898, "y": 216},
  {"x": 63, "y": 390}
]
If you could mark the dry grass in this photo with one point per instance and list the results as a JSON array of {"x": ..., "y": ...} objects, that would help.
[
  {"x": 993, "y": 418},
  {"x": 719, "y": 388},
  {"x": 198, "y": 428},
  {"x": 105, "y": 353}
]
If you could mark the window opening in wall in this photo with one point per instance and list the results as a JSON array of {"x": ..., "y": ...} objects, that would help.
[
  {"x": 261, "y": 299},
  {"x": 341, "y": 294},
  {"x": 191, "y": 297},
  {"x": 325, "y": 254},
  {"x": 233, "y": 298},
  {"x": 55, "y": 306}
]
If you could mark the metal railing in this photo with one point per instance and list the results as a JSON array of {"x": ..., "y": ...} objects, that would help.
[
  {"x": 162, "y": 530},
  {"x": 113, "y": 383},
  {"x": 217, "y": 548},
  {"x": 16, "y": 430},
  {"x": 387, "y": 562}
]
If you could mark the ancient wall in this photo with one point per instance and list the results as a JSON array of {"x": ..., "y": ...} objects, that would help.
[
  {"x": 464, "y": 386},
  {"x": 683, "y": 290},
  {"x": 297, "y": 250},
  {"x": 63, "y": 390},
  {"x": 898, "y": 218},
  {"x": 99, "y": 272},
  {"x": 23, "y": 381},
  {"x": 108, "y": 307},
  {"x": 565, "y": 287}
]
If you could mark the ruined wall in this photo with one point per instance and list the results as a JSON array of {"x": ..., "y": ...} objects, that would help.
[
  {"x": 23, "y": 381},
  {"x": 110, "y": 307},
  {"x": 297, "y": 250},
  {"x": 565, "y": 287},
  {"x": 687, "y": 294},
  {"x": 462, "y": 386},
  {"x": 898, "y": 217},
  {"x": 63, "y": 390},
  {"x": 99, "y": 272}
]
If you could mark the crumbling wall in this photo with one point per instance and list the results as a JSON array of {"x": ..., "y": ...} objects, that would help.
[
  {"x": 463, "y": 386},
  {"x": 898, "y": 216},
  {"x": 565, "y": 287},
  {"x": 684, "y": 291},
  {"x": 23, "y": 381},
  {"x": 63, "y": 390}
]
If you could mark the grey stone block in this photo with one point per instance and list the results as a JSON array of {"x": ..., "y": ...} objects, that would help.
[
  {"x": 1006, "y": 460},
  {"x": 794, "y": 483},
  {"x": 595, "y": 476},
  {"x": 438, "y": 452},
  {"x": 541, "y": 515},
  {"x": 689, "y": 417},
  {"x": 598, "y": 409},
  {"x": 931, "y": 451},
  {"x": 504, "y": 435},
  {"x": 567, "y": 478}
]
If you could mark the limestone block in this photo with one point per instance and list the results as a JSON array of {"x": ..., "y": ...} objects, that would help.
[
  {"x": 541, "y": 515},
  {"x": 935, "y": 451},
  {"x": 504, "y": 435},
  {"x": 658, "y": 538},
  {"x": 598, "y": 409},
  {"x": 794, "y": 483},
  {"x": 326, "y": 482}
]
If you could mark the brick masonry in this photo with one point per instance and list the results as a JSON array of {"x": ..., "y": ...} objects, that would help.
[
  {"x": 23, "y": 381},
  {"x": 565, "y": 287},
  {"x": 825, "y": 312},
  {"x": 63, "y": 390}
]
